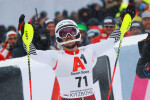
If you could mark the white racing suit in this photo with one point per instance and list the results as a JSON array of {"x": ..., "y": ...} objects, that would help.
[{"x": 74, "y": 69}]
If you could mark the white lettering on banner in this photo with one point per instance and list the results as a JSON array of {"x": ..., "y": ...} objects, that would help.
[{"x": 81, "y": 93}]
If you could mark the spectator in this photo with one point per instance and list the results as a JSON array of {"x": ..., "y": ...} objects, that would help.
[
  {"x": 10, "y": 28},
  {"x": 82, "y": 28},
  {"x": 50, "y": 26},
  {"x": 65, "y": 14},
  {"x": 83, "y": 14},
  {"x": 145, "y": 5},
  {"x": 93, "y": 24},
  {"x": 74, "y": 17},
  {"x": 108, "y": 28},
  {"x": 9, "y": 45},
  {"x": 96, "y": 12},
  {"x": 42, "y": 18},
  {"x": 58, "y": 17},
  {"x": 92, "y": 33},
  {"x": 111, "y": 8},
  {"x": 143, "y": 69},
  {"x": 146, "y": 21},
  {"x": 136, "y": 28}
]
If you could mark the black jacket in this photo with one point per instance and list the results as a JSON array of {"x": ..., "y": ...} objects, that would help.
[{"x": 143, "y": 66}]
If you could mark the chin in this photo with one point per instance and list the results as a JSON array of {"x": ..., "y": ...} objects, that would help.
[{"x": 70, "y": 45}]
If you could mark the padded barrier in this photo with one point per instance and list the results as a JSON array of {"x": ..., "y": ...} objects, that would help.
[
  {"x": 11, "y": 83},
  {"x": 102, "y": 73}
]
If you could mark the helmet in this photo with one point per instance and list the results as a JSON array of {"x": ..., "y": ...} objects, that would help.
[{"x": 65, "y": 24}]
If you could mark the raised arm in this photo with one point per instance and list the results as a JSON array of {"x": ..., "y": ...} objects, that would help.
[
  {"x": 104, "y": 46},
  {"x": 26, "y": 31}
]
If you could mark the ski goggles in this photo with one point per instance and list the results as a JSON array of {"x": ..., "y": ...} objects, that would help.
[{"x": 63, "y": 33}]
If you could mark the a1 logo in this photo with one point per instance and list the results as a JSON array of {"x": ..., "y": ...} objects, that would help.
[{"x": 77, "y": 64}]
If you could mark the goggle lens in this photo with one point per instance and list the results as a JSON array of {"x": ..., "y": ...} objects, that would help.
[{"x": 69, "y": 30}]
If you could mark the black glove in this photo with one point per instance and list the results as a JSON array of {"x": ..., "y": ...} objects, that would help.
[
  {"x": 130, "y": 10},
  {"x": 21, "y": 24}
]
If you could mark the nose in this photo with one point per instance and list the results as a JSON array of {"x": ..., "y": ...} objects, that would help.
[{"x": 68, "y": 35}]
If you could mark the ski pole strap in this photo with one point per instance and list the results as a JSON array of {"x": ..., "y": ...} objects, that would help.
[
  {"x": 115, "y": 35},
  {"x": 32, "y": 49}
]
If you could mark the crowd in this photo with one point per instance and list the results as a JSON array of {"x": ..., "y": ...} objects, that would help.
[{"x": 95, "y": 22}]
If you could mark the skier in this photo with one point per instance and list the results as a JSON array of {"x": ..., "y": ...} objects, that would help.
[{"x": 72, "y": 65}]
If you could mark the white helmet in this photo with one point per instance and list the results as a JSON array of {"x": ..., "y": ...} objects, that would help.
[{"x": 65, "y": 24}]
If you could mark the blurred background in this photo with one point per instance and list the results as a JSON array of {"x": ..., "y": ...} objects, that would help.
[{"x": 10, "y": 10}]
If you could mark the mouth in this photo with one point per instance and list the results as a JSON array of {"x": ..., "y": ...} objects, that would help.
[{"x": 68, "y": 39}]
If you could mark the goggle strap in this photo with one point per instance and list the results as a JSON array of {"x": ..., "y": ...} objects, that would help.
[{"x": 65, "y": 26}]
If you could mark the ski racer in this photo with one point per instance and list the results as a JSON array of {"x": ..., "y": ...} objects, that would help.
[{"x": 72, "y": 65}]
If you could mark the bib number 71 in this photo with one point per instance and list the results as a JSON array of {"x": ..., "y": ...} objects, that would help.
[{"x": 80, "y": 79}]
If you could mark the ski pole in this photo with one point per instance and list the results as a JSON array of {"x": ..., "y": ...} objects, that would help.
[
  {"x": 27, "y": 39},
  {"x": 124, "y": 28}
]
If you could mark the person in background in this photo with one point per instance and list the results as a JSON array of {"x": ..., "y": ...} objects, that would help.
[
  {"x": 96, "y": 11},
  {"x": 108, "y": 28},
  {"x": 9, "y": 45},
  {"x": 74, "y": 16},
  {"x": 146, "y": 21},
  {"x": 65, "y": 14},
  {"x": 50, "y": 26},
  {"x": 41, "y": 38},
  {"x": 143, "y": 65},
  {"x": 84, "y": 15},
  {"x": 92, "y": 33},
  {"x": 10, "y": 28},
  {"x": 136, "y": 28},
  {"x": 93, "y": 23},
  {"x": 84, "y": 40},
  {"x": 42, "y": 18},
  {"x": 58, "y": 17}
]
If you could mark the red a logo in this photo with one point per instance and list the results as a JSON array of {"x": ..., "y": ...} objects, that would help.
[{"x": 77, "y": 64}]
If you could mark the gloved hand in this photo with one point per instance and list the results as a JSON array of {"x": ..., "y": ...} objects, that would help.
[
  {"x": 130, "y": 10},
  {"x": 21, "y": 24},
  {"x": 8, "y": 46}
]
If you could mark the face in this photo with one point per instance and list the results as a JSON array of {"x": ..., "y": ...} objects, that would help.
[
  {"x": 90, "y": 39},
  {"x": 97, "y": 7},
  {"x": 59, "y": 16},
  {"x": 71, "y": 44},
  {"x": 135, "y": 31},
  {"x": 85, "y": 14},
  {"x": 108, "y": 29},
  {"x": 146, "y": 23},
  {"x": 82, "y": 34},
  {"x": 12, "y": 39},
  {"x": 51, "y": 28},
  {"x": 75, "y": 15}
]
